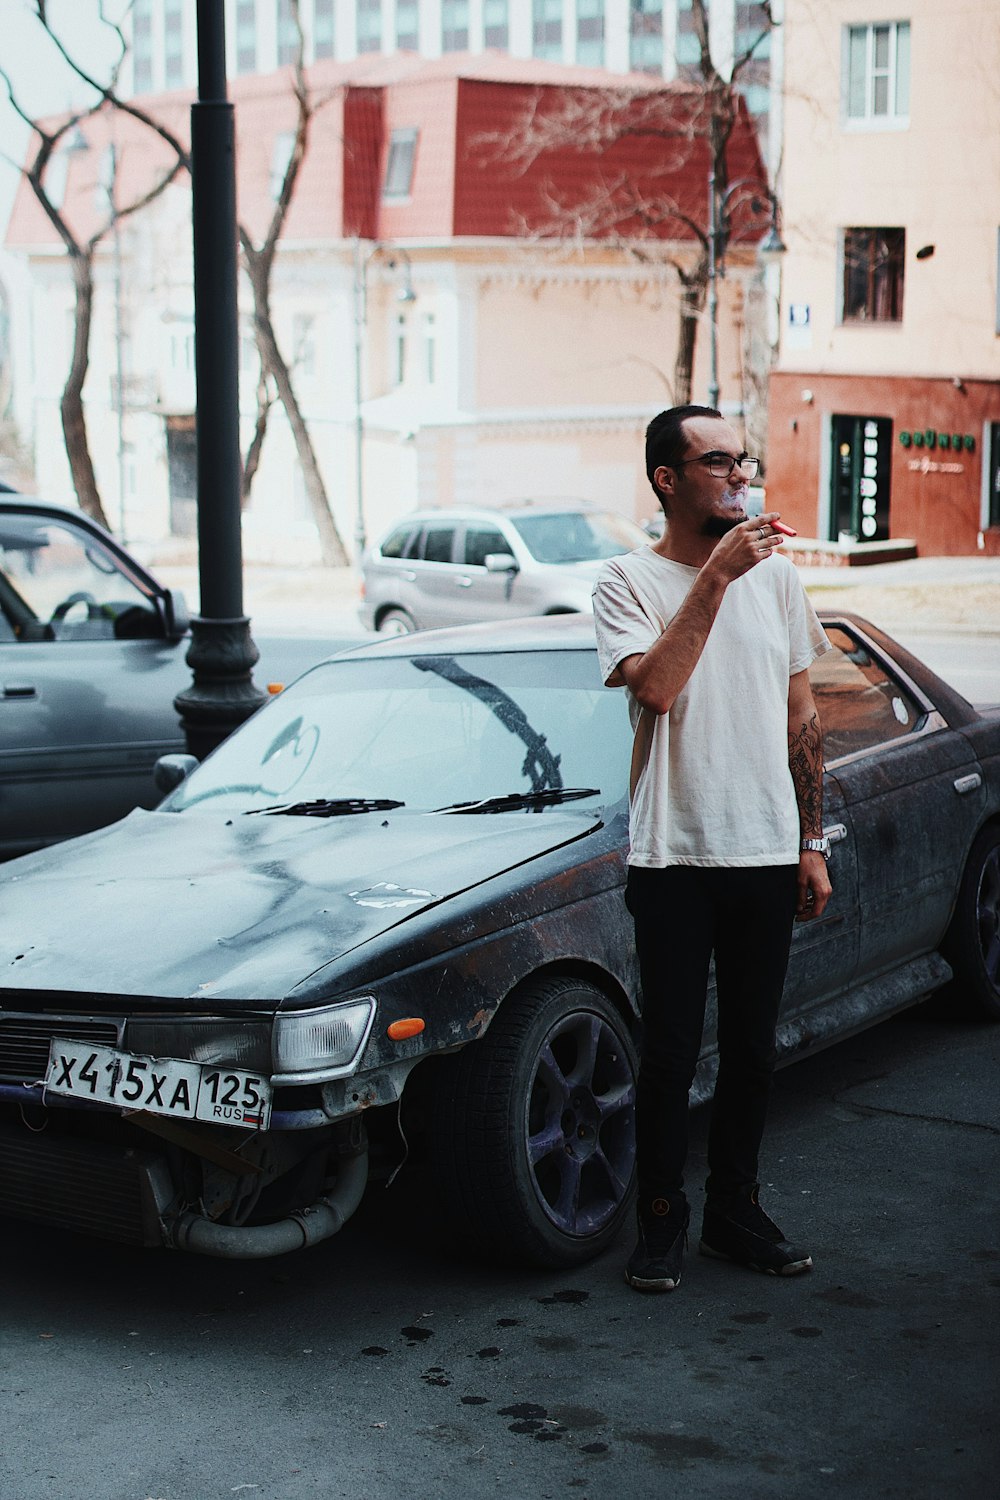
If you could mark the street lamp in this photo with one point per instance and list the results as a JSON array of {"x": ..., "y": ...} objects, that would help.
[
  {"x": 222, "y": 652},
  {"x": 719, "y": 225}
]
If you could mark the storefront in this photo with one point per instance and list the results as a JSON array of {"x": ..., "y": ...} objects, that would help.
[{"x": 864, "y": 461}]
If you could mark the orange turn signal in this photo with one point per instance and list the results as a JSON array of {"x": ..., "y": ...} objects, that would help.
[
  {"x": 400, "y": 1030},
  {"x": 275, "y": 687}
]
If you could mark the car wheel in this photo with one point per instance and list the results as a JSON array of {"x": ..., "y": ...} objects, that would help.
[
  {"x": 395, "y": 622},
  {"x": 533, "y": 1134},
  {"x": 972, "y": 946}
]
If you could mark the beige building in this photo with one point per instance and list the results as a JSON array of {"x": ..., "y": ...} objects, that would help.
[
  {"x": 438, "y": 330},
  {"x": 885, "y": 403}
]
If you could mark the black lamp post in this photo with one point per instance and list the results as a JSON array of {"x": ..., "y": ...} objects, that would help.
[
  {"x": 222, "y": 653},
  {"x": 719, "y": 221}
]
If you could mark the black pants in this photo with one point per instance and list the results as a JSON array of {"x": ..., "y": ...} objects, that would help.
[{"x": 682, "y": 915}]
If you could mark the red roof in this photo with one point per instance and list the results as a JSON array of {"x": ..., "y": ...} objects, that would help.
[{"x": 603, "y": 155}]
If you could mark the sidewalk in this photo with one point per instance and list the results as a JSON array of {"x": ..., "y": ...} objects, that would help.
[{"x": 943, "y": 593}]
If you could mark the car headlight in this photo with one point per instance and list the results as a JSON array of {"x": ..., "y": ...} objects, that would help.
[
  {"x": 310, "y": 1045},
  {"x": 240, "y": 1043}
]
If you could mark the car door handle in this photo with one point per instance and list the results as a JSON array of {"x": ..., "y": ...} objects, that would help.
[
  {"x": 19, "y": 690},
  {"x": 408, "y": 575},
  {"x": 463, "y": 583},
  {"x": 836, "y": 833},
  {"x": 970, "y": 783}
]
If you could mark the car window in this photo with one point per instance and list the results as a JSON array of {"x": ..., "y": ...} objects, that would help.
[
  {"x": 399, "y": 543},
  {"x": 480, "y": 541},
  {"x": 860, "y": 705},
  {"x": 438, "y": 542},
  {"x": 578, "y": 536},
  {"x": 428, "y": 731},
  {"x": 57, "y": 582}
]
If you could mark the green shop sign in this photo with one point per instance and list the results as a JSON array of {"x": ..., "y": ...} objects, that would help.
[{"x": 958, "y": 442}]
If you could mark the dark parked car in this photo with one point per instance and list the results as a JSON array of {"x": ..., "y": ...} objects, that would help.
[
  {"x": 92, "y": 653},
  {"x": 386, "y": 917}
]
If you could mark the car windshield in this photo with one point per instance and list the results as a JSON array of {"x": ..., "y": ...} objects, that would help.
[
  {"x": 429, "y": 732},
  {"x": 570, "y": 536}
]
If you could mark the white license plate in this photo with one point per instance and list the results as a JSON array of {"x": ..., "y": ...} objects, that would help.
[{"x": 159, "y": 1085}]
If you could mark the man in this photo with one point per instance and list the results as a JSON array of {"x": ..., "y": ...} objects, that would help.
[{"x": 711, "y": 634}]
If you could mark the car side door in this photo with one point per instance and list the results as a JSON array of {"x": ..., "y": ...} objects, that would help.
[
  {"x": 486, "y": 595},
  {"x": 88, "y": 675},
  {"x": 437, "y": 588},
  {"x": 913, "y": 791}
]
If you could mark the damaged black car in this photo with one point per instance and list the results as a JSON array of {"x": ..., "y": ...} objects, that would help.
[{"x": 382, "y": 928}]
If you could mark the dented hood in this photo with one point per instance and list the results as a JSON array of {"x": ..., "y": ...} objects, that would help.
[{"x": 197, "y": 906}]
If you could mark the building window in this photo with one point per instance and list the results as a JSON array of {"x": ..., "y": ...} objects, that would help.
[
  {"x": 454, "y": 25},
  {"x": 645, "y": 53},
  {"x": 400, "y": 163},
  {"x": 246, "y": 36},
  {"x": 281, "y": 155},
  {"x": 873, "y": 275},
  {"x": 304, "y": 344},
  {"x": 323, "y": 28},
  {"x": 369, "y": 14},
  {"x": 496, "y": 25},
  {"x": 590, "y": 32},
  {"x": 687, "y": 46},
  {"x": 546, "y": 29},
  {"x": 288, "y": 35},
  {"x": 142, "y": 46},
  {"x": 877, "y": 74},
  {"x": 430, "y": 349},
  {"x": 400, "y": 359},
  {"x": 173, "y": 44},
  {"x": 408, "y": 25}
]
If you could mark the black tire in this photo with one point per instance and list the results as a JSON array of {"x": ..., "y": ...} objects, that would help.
[
  {"x": 533, "y": 1128},
  {"x": 972, "y": 946},
  {"x": 395, "y": 622}
]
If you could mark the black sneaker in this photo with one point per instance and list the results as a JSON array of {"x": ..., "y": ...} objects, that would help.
[
  {"x": 738, "y": 1229},
  {"x": 655, "y": 1263}
]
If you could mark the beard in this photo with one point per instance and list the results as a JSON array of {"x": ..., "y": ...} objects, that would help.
[{"x": 719, "y": 526}]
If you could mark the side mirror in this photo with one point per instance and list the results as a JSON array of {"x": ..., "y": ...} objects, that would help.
[
  {"x": 170, "y": 770},
  {"x": 176, "y": 617},
  {"x": 500, "y": 562}
]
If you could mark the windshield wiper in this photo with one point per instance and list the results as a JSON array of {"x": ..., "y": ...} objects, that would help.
[
  {"x": 522, "y": 799},
  {"x": 332, "y": 807}
]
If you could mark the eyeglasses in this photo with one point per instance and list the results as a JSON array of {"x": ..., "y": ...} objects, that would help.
[{"x": 721, "y": 465}]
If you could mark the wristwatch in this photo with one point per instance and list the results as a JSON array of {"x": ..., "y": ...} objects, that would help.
[{"x": 817, "y": 846}]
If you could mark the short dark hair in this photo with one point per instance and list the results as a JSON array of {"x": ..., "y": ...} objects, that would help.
[{"x": 665, "y": 439}]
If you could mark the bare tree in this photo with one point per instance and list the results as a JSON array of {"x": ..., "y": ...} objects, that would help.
[
  {"x": 258, "y": 261},
  {"x": 81, "y": 249},
  {"x": 654, "y": 220}
]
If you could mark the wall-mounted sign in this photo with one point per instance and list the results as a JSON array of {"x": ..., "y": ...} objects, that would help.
[
  {"x": 930, "y": 438},
  {"x": 929, "y": 466}
]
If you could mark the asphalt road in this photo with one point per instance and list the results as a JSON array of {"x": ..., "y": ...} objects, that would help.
[{"x": 380, "y": 1365}]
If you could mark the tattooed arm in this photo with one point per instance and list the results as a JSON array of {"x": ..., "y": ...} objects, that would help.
[{"x": 805, "y": 760}]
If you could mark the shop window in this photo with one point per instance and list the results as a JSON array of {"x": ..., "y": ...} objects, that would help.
[
  {"x": 873, "y": 275},
  {"x": 876, "y": 74}
]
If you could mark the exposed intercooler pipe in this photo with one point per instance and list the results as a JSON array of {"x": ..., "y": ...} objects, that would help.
[{"x": 308, "y": 1226}]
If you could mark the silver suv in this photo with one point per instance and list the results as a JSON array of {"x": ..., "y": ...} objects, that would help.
[{"x": 448, "y": 567}]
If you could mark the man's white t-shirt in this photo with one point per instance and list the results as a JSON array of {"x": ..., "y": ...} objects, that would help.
[{"x": 710, "y": 781}]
